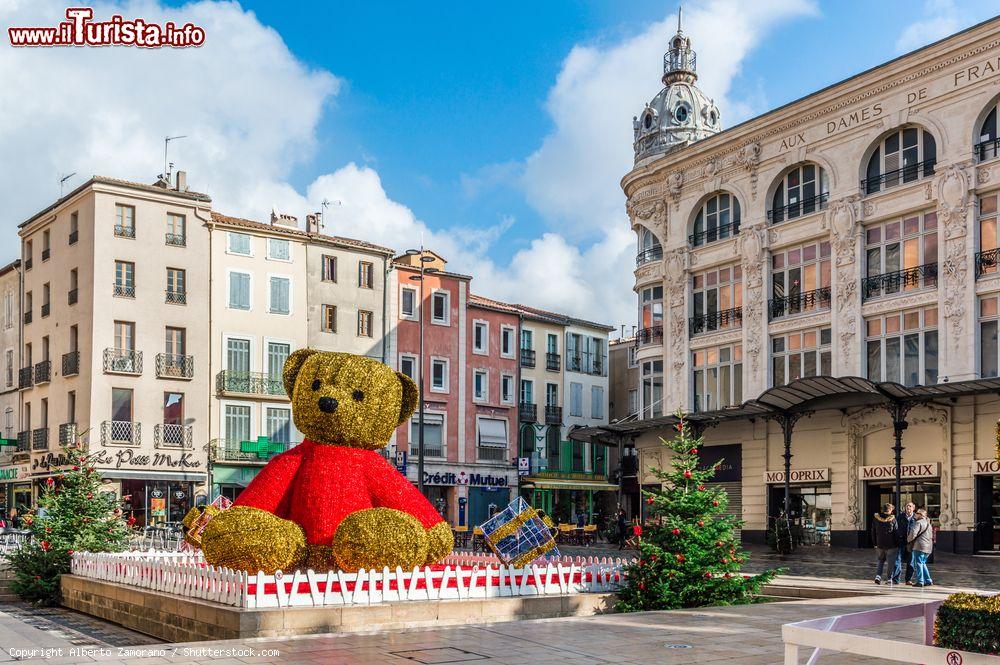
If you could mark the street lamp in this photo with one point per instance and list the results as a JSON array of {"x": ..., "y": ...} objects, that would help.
[{"x": 420, "y": 361}]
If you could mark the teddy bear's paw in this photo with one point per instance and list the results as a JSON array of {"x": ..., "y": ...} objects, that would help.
[
  {"x": 440, "y": 542},
  {"x": 379, "y": 537},
  {"x": 320, "y": 558},
  {"x": 253, "y": 540}
]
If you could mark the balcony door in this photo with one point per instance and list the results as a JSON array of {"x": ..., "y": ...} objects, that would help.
[
  {"x": 175, "y": 346},
  {"x": 277, "y": 354},
  {"x": 124, "y": 336},
  {"x": 238, "y": 356},
  {"x": 237, "y": 425}
]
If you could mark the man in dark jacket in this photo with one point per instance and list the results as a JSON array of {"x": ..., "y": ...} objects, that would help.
[
  {"x": 906, "y": 519},
  {"x": 885, "y": 535}
]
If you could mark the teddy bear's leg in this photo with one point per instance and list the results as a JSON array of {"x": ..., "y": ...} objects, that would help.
[
  {"x": 250, "y": 539},
  {"x": 440, "y": 542},
  {"x": 380, "y": 537}
]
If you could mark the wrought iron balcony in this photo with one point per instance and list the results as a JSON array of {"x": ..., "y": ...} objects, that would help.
[
  {"x": 222, "y": 450},
  {"x": 890, "y": 179},
  {"x": 249, "y": 383},
  {"x": 40, "y": 438},
  {"x": 72, "y": 296},
  {"x": 25, "y": 378},
  {"x": 74, "y": 236},
  {"x": 71, "y": 363},
  {"x": 43, "y": 372},
  {"x": 121, "y": 433},
  {"x": 176, "y": 239},
  {"x": 124, "y": 231},
  {"x": 796, "y": 303},
  {"x": 24, "y": 442},
  {"x": 721, "y": 320},
  {"x": 46, "y": 254},
  {"x": 176, "y": 297},
  {"x": 172, "y": 436},
  {"x": 596, "y": 366},
  {"x": 28, "y": 263},
  {"x": 893, "y": 282},
  {"x": 553, "y": 415},
  {"x": 527, "y": 357},
  {"x": 491, "y": 453},
  {"x": 649, "y": 336},
  {"x": 799, "y": 208},
  {"x": 122, "y": 361},
  {"x": 987, "y": 149},
  {"x": 648, "y": 256},
  {"x": 711, "y": 235},
  {"x": 553, "y": 361},
  {"x": 574, "y": 363},
  {"x": 174, "y": 366},
  {"x": 46, "y": 308},
  {"x": 124, "y": 290},
  {"x": 986, "y": 262},
  {"x": 67, "y": 434},
  {"x": 27, "y": 317},
  {"x": 527, "y": 412}
]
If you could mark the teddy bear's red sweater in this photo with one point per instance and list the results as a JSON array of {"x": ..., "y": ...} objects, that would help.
[{"x": 317, "y": 485}]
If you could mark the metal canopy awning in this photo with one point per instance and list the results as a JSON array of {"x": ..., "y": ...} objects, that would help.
[{"x": 560, "y": 484}]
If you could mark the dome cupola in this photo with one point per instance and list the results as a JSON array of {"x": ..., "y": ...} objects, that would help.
[{"x": 681, "y": 113}]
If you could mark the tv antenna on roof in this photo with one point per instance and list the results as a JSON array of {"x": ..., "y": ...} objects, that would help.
[
  {"x": 166, "y": 145},
  {"x": 62, "y": 182},
  {"x": 324, "y": 204}
]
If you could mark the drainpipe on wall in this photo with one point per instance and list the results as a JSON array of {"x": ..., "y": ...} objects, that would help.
[{"x": 211, "y": 343}]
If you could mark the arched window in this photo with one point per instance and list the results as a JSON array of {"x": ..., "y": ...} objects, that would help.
[
  {"x": 718, "y": 218},
  {"x": 649, "y": 248},
  {"x": 905, "y": 155},
  {"x": 987, "y": 142},
  {"x": 802, "y": 190}
]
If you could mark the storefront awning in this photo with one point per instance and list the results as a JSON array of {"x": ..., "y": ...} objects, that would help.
[
  {"x": 143, "y": 474},
  {"x": 554, "y": 484}
]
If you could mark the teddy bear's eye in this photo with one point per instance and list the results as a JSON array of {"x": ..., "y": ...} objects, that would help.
[
  {"x": 316, "y": 384},
  {"x": 358, "y": 395}
]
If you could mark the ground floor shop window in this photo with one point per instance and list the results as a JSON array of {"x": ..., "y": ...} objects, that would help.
[
  {"x": 987, "y": 528},
  {"x": 438, "y": 496},
  {"x": 156, "y": 502},
  {"x": 811, "y": 509},
  {"x": 924, "y": 494}
]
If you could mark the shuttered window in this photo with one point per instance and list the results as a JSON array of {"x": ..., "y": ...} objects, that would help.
[
  {"x": 280, "y": 295},
  {"x": 239, "y": 290}
]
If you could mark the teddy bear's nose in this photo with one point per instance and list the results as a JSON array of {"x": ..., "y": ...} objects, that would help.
[{"x": 327, "y": 404}]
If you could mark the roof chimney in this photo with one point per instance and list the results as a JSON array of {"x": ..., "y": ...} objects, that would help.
[
  {"x": 181, "y": 181},
  {"x": 312, "y": 223},
  {"x": 281, "y": 219}
]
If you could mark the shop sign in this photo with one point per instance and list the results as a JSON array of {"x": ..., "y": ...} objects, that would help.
[
  {"x": 523, "y": 466},
  {"x": 731, "y": 469},
  {"x": 8, "y": 473},
  {"x": 128, "y": 457},
  {"x": 985, "y": 467},
  {"x": 888, "y": 471},
  {"x": 463, "y": 478},
  {"x": 798, "y": 476}
]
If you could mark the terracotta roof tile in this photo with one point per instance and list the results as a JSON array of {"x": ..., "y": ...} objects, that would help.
[{"x": 228, "y": 220}]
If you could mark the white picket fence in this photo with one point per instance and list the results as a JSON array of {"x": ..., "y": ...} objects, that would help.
[{"x": 188, "y": 575}]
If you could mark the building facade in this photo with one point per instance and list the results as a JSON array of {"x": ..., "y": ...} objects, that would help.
[
  {"x": 15, "y": 478},
  {"x": 623, "y": 406},
  {"x": 851, "y": 233}
]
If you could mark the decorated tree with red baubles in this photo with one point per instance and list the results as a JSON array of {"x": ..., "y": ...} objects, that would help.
[
  {"x": 75, "y": 513},
  {"x": 688, "y": 555}
]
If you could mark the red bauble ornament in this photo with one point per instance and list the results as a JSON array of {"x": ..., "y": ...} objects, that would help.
[
  {"x": 700, "y": 523},
  {"x": 727, "y": 576},
  {"x": 719, "y": 543},
  {"x": 687, "y": 474},
  {"x": 671, "y": 574},
  {"x": 701, "y": 487},
  {"x": 90, "y": 495},
  {"x": 676, "y": 532},
  {"x": 131, "y": 520},
  {"x": 652, "y": 558},
  {"x": 693, "y": 451},
  {"x": 69, "y": 552},
  {"x": 642, "y": 586},
  {"x": 708, "y": 575},
  {"x": 679, "y": 427},
  {"x": 49, "y": 481},
  {"x": 45, "y": 545},
  {"x": 680, "y": 558},
  {"x": 76, "y": 468},
  {"x": 725, "y": 560},
  {"x": 715, "y": 503},
  {"x": 649, "y": 501}
]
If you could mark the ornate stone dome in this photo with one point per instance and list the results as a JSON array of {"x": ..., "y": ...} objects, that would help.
[{"x": 681, "y": 113}]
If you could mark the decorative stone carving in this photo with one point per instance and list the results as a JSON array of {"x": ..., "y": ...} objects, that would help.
[
  {"x": 651, "y": 213},
  {"x": 869, "y": 208},
  {"x": 847, "y": 320},
  {"x": 673, "y": 275},
  {"x": 751, "y": 249},
  {"x": 675, "y": 182},
  {"x": 983, "y": 175},
  {"x": 953, "y": 200},
  {"x": 843, "y": 224},
  {"x": 954, "y": 270},
  {"x": 752, "y": 311},
  {"x": 749, "y": 158},
  {"x": 649, "y": 271}
]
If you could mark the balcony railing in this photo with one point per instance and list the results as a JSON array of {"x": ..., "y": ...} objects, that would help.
[
  {"x": 176, "y": 297},
  {"x": 24, "y": 378},
  {"x": 491, "y": 453},
  {"x": 40, "y": 438},
  {"x": 648, "y": 256},
  {"x": 527, "y": 412},
  {"x": 648, "y": 336},
  {"x": 553, "y": 361},
  {"x": 27, "y": 317},
  {"x": 221, "y": 450},
  {"x": 124, "y": 231},
  {"x": 908, "y": 173},
  {"x": 796, "y": 303},
  {"x": 71, "y": 363},
  {"x": 987, "y": 149},
  {"x": 46, "y": 309},
  {"x": 176, "y": 239},
  {"x": 124, "y": 290},
  {"x": 172, "y": 436},
  {"x": 721, "y": 320},
  {"x": 174, "y": 366},
  {"x": 596, "y": 366},
  {"x": 799, "y": 208},
  {"x": 24, "y": 442},
  {"x": 574, "y": 363},
  {"x": 121, "y": 433},
  {"x": 67, "y": 434},
  {"x": 74, "y": 236},
  {"x": 986, "y": 262},
  {"x": 893, "y": 282},
  {"x": 553, "y": 415},
  {"x": 72, "y": 296},
  {"x": 122, "y": 361},
  {"x": 43, "y": 372},
  {"x": 711, "y": 235},
  {"x": 249, "y": 383},
  {"x": 46, "y": 253},
  {"x": 527, "y": 357}
]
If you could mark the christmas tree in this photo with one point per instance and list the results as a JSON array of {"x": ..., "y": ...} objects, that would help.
[
  {"x": 688, "y": 556},
  {"x": 74, "y": 515}
]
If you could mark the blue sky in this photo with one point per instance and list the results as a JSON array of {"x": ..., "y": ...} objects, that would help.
[{"x": 497, "y": 132}]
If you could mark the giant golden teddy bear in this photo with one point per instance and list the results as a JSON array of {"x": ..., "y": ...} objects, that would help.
[{"x": 332, "y": 501}]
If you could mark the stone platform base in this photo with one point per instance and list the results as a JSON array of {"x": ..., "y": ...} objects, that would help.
[{"x": 177, "y": 619}]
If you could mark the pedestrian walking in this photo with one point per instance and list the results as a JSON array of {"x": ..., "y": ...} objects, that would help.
[
  {"x": 921, "y": 539},
  {"x": 13, "y": 519},
  {"x": 885, "y": 535},
  {"x": 904, "y": 553},
  {"x": 622, "y": 528}
]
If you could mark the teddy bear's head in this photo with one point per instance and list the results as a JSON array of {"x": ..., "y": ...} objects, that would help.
[{"x": 347, "y": 400}]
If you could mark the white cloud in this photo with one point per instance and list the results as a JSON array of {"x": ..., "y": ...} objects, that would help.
[{"x": 940, "y": 19}]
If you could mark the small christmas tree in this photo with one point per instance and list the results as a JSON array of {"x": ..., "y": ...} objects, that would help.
[
  {"x": 74, "y": 515},
  {"x": 688, "y": 556}
]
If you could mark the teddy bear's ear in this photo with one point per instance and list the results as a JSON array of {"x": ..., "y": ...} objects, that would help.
[
  {"x": 410, "y": 397},
  {"x": 292, "y": 366}
]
